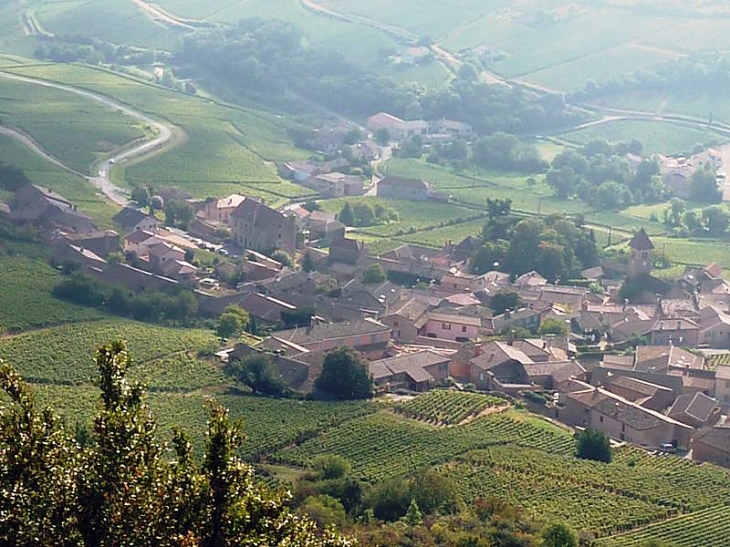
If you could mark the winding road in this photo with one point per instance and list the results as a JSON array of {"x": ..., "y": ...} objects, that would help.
[{"x": 100, "y": 177}]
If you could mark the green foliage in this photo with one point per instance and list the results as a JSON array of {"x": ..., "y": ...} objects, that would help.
[
  {"x": 65, "y": 495},
  {"x": 307, "y": 263},
  {"x": 232, "y": 322},
  {"x": 178, "y": 213},
  {"x": 413, "y": 516},
  {"x": 282, "y": 257},
  {"x": 345, "y": 375},
  {"x": 26, "y": 300},
  {"x": 330, "y": 467},
  {"x": 12, "y": 178},
  {"x": 593, "y": 445},
  {"x": 259, "y": 373},
  {"x": 704, "y": 186},
  {"x": 373, "y": 274},
  {"x": 555, "y": 326},
  {"x": 447, "y": 407},
  {"x": 64, "y": 354},
  {"x": 505, "y": 300},
  {"x": 559, "y": 535},
  {"x": 141, "y": 195},
  {"x": 173, "y": 306}
]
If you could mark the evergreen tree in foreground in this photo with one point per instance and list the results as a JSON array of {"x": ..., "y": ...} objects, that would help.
[{"x": 120, "y": 489}]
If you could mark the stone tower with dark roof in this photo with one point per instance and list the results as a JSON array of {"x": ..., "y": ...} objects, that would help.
[{"x": 642, "y": 254}]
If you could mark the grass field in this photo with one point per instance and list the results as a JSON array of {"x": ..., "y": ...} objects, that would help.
[
  {"x": 64, "y": 354},
  {"x": 26, "y": 301},
  {"x": 51, "y": 116},
  {"x": 75, "y": 188},
  {"x": 657, "y": 137},
  {"x": 224, "y": 147}
]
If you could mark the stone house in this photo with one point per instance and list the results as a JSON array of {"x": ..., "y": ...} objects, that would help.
[
  {"x": 33, "y": 203},
  {"x": 130, "y": 219},
  {"x": 621, "y": 419},
  {"x": 260, "y": 228},
  {"x": 418, "y": 371},
  {"x": 712, "y": 445},
  {"x": 404, "y": 188},
  {"x": 335, "y": 185},
  {"x": 366, "y": 335},
  {"x": 695, "y": 409},
  {"x": 458, "y": 328},
  {"x": 220, "y": 210}
]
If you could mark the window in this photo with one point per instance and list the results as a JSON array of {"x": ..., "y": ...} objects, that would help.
[
  {"x": 463, "y": 328},
  {"x": 623, "y": 428},
  {"x": 445, "y": 326},
  {"x": 600, "y": 419},
  {"x": 395, "y": 324}
]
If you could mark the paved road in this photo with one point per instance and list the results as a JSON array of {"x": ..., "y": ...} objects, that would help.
[{"x": 100, "y": 172}]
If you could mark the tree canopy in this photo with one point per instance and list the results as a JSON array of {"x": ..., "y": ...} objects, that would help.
[
  {"x": 593, "y": 445},
  {"x": 345, "y": 375},
  {"x": 121, "y": 488}
]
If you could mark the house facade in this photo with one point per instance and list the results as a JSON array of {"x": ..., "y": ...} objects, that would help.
[
  {"x": 260, "y": 228},
  {"x": 403, "y": 188}
]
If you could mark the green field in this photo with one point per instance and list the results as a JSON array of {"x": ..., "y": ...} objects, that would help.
[
  {"x": 65, "y": 354},
  {"x": 73, "y": 187},
  {"x": 657, "y": 137},
  {"x": 25, "y": 300},
  {"x": 51, "y": 116},
  {"x": 223, "y": 147}
]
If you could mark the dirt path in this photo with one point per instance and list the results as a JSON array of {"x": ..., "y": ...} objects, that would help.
[{"x": 100, "y": 173}]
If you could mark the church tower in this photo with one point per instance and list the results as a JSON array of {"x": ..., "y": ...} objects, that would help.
[{"x": 642, "y": 254}]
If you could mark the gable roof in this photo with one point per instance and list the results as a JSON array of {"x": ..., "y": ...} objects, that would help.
[
  {"x": 412, "y": 364},
  {"x": 130, "y": 216},
  {"x": 641, "y": 241},
  {"x": 384, "y": 119},
  {"x": 696, "y": 405},
  {"x": 716, "y": 437},
  {"x": 329, "y": 331},
  {"x": 622, "y": 410}
]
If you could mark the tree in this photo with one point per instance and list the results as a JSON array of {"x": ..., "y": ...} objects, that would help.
[
  {"x": 413, "y": 515},
  {"x": 373, "y": 274},
  {"x": 364, "y": 214},
  {"x": 551, "y": 325},
  {"x": 389, "y": 500},
  {"x": 120, "y": 488},
  {"x": 178, "y": 213},
  {"x": 433, "y": 492},
  {"x": 258, "y": 372},
  {"x": 559, "y": 535},
  {"x": 505, "y": 300},
  {"x": 673, "y": 215},
  {"x": 282, "y": 257},
  {"x": 345, "y": 375},
  {"x": 716, "y": 220},
  {"x": 324, "y": 510},
  {"x": 12, "y": 178},
  {"x": 563, "y": 181},
  {"x": 488, "y": 257},
  {"x": 346, "y": 216},
  {"x": 382, "y": 136},
  {"x": 232, "y": 322},
  {"x": 703, "y": 186},
  {"x": 307, "y": 263},
  {"x": 141, "y": 195},
  {"x": 593, "y": 445},
  {"x": 330, "y": 466}
]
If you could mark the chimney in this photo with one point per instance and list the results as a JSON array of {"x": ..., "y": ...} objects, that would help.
[
  {"x": 507, "y": 313},
  {"x": 626, "y": 303},
  {"x": 584, "y": 305}
]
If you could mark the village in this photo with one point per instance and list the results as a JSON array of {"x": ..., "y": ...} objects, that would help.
[{"x": 655, "y": 372}]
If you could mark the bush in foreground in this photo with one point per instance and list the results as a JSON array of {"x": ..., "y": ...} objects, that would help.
[{"x": 121, "y": 489}]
